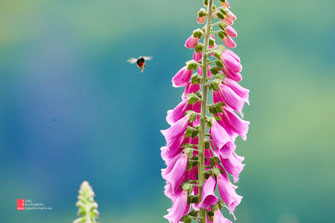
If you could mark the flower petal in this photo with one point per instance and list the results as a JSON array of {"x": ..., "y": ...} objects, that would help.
[{"x": 208, "y": 194}]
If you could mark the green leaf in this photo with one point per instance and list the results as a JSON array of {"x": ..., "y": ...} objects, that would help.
[
  {"x": 193, "y": 116},
  {"x": 222, "y": 25},
  {"x": 220, "y": 15},
  {"x": 198, "y": 48},
  {"x": 192, "y": 65},
  {"x": 196, "y": 78},
  {"x": 220, "y": 76},
  {"x": 219, "y": 63},
  {"x": 211, "y": 42},
  {"x": 193, "y": 213},
  {"x": 187, "y": 186},
  {"x": 207, "y": 145},
  {"x": 214, "y": 70},
  {"x": 210, "y": 213},
  {"x": 217, "y": 118},
  {"x": 195, "y": 133},
  {"x": 192, "y": 100},
  {"x": 188, "y": 132},
  {"x": 221, "y": 34},
  {"x": 189, "y": 165},
  {"x": 186, "y": 145}
]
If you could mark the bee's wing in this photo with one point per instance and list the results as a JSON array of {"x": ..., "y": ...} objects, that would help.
[
  {"x": 147, "y": 58},
  {"x": 132, "y": 60}
]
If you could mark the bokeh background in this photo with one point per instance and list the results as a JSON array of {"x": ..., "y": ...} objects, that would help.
[{"x": 72, "y": 109}]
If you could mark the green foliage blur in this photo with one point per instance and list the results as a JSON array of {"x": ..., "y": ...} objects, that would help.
[{"x": 72, "y": 109}]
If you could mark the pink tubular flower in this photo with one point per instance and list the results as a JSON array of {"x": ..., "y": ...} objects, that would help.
[
  {"x": 168, "y": 192},
  {"x": 179, "y": 208},
  {"x": 233, "y": 165},
  {"x": 176, "y": 130},
  {"x": 226, "y": 151},
  {"x": 197, "y": 56},
  {"x": 230, "y": 62},
  {"x": 232, "y": 75},
  {"x": 219, "y": 134},
  {"x": 234, "y": 55},
  {"x": 190, "y": 88},
  {"x": 179, "y": 111},
  {"x": 191, "y": 42},
  {"x": 229, "y": 42},
  {"x": 218, "y": 217},
  {"x": 227, "y": 192},
  {"x": 238, "y": 89},
  {"x": 208, "y": 196},
  {"x": 226, "y": 95},
  {"x": 208, "y": 153},
  {"x": 233, "y": 124},
  {"x": 182, "y": 77},
  {"x": 230, "y": 31},
  {"x": 176, "y": 174},
  {"x": 173, "y": 148}
]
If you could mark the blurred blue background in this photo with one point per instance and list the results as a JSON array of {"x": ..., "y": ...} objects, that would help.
[{"x": 72, "y": 109}]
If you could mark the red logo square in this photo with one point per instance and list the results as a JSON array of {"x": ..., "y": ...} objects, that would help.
[{"x": 20, "y": 204}]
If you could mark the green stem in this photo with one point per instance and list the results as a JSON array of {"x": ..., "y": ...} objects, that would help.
[{"x": 201, "y": 160}]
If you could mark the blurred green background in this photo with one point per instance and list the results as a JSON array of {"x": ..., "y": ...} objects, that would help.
[{"x": 72, "y": 109}]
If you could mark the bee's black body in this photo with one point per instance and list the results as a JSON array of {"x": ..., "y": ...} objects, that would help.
[{"x": 140, "y": 61}]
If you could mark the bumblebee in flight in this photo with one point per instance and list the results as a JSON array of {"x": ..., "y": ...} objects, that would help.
[{"x": 140, "y": 61}]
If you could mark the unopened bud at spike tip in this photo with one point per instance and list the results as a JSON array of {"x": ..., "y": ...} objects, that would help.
[
  {"x": 225, "y": 3},
  {"x": 206, "y": 3}
]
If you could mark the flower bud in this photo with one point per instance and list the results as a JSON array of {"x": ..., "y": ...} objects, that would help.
[
  {"x": 219, "y": 63},
  {"x": 192, "y": 65},
  {"x": 220, "y": 15},
  {"x": 231, "y": 15},
  {"x": 201, "y": 16},
  {"x": 214, "y": 70},
  {"x": 230, "y": 31},
  {"x": 206, "y": 2},
  {"x": 225, "y": 3},
  {"x": 234, "y": 55},
  {"x": 182, "y": 77},
  {"x": 222, "y": 25},
  {"x": 191, "y": 42},
  {"x": 198, "y": 48},
  {"x": 218, "y": 53},
  {"x": 197, "y": 33},
  {"x": 228, "y": 21},
  {"x": 196, "y": 79},
  {"x": 211, "y": 42},
  {"x": 221, "y": 34},
  {"x": 231, "y": 63},
  {"x": 197, "y": 56},
  {"x": 229, "y": 42}
]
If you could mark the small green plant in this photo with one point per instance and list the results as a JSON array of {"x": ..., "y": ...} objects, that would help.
[{"x": 88, "y": 208}]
